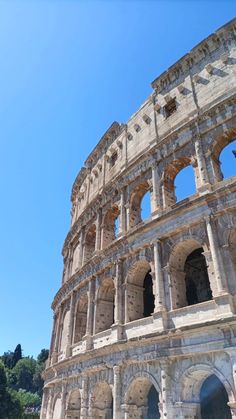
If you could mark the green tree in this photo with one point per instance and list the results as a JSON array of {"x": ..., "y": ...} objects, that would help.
[
  {"x": 24, "y": 371},
  {"x": 17, "y": 354},
  {"x": 43, "y": 356},
  {"x": 9, "y": 406},
  {"x": 8, "y": 359}
]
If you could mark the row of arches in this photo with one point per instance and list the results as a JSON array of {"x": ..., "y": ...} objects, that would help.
[
  {"x": 179, "y": 180},
  {"x": 144, "y": 400},
  {"x": 189, "y": 280}
]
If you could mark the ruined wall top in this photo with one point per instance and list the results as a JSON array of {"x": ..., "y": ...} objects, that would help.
[{"x": 181, "y": 94}]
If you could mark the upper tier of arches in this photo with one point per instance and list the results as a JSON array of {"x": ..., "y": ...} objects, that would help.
[{"x": 150, "y": 194}]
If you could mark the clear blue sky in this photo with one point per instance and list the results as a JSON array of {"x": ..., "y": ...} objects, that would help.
[{"x": 68, "y": 70}]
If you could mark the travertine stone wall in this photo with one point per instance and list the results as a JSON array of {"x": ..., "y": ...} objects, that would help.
[{"x": 112, "y": 354}]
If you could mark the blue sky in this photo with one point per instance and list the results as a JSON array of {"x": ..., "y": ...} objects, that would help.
[{"x": 68, "y": 70}]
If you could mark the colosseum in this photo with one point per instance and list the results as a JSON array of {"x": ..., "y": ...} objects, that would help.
[{"x": 145, "y": 318}]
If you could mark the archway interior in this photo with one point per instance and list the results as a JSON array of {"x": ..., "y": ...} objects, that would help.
[
  {"x": 90, "y": 240},
  {"x": 143, "y": 396},
  {"x": 105, "y": 305},
  {"x": 153, "y": 402},
  {"x": 103, "y": 401},
  {"x": 227, "y": 160},
  {"x": 214, "y": 399},
  {"x": 148, "y": 297},
  {"x": 197, "y": 281},
  {"x": 74, "y": 404},
  {"x": 81, "y": 318},
  {"x": 146, "y": 206},
  {"x": 185, "y": 183}
]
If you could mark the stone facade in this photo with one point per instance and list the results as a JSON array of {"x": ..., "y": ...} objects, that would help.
[{"x": 144, "y": 321}]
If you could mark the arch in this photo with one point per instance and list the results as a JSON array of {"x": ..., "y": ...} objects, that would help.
[
  {"x": 193, "y": 377},
  {"x": 170, "y": 173},
  {"x": 217, "y": 147},
  {"x": 104, "y": 312},
  {"x": 189, "y": 275},
  {"x": 139, "y": 291},
  {"x": 142, "y": 397},
  {"x": 102, "y": 401},
  {"x": 89, "y": 243},
  {"x": 57, "y": 407},
  {"x": 109, "y": 227},
  {"x": 135, "y": 203},
  {"x": 214, "y": 399},
  {"x": 81, "y": 318},
  {"x": 73, "y": 405}
]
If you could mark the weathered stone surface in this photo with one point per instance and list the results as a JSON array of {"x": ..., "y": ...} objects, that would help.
[{"x": 145, "y": 316}]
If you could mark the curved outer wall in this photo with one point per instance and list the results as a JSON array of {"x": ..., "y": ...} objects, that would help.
[{"x": 106, "y": 354}]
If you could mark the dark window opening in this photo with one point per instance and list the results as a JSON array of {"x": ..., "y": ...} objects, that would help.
[
  {"x": 214, "y": 399},
  {"x": 197, "y": 281},
  {"x": 114, "y": 157},
  {"x": 148, "y": 297},
  {"x": 170, "y": 107},
  {"x": 153, "y": 402}
]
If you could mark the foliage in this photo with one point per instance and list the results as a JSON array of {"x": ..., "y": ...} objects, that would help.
[
  {"x": 9, "y": 406},
  {"x": 21, "y": 384},
  {"x": 43, "y": 356}
]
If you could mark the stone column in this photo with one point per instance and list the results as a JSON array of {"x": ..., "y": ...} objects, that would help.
[
  {"x": 159, "y": 283},
  {"x": 216, "y": 257},
  {"x": 98, "y": 230},
  {"x": 95, "y": 304},
  {"x": 90, "y": 313},
  {"x": 201, "y": 163},
  {"x": 127, "y": 210},
  {"x": 118, "y": 293},
  {"x": 167, "y": 407},
  {"x": 57, "y": 337},
  {"x": 84, "y": 398},
  {"x": 81, "y": 249},
  {"x": 117, "y": 392},
  {"x": 122, "y": 224},
  {"x": 63, "y": 402},
  {"x": 155, "y": 201},
  {"x": 71, "y": 324}
]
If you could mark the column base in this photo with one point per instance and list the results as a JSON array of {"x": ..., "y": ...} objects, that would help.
[
  {"x": 88, "y": 342},
  {"x": 204, "y": 189},
  {"x": 160, "y": 318},
  {"x": 117, "y": 331},
  {"x": 225, "y": 303}
]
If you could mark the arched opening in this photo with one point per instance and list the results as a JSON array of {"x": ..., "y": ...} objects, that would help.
[
  {"x": 143, "y": 399},
  {"x": 110, "y": 228},
  {"x": 104, "y": 315},
  {"x": 57, "y": 408},
  {"x": 189, "y": 275},
  {"x": 89, "y": 243},
  {"x": 185, "y": 183},
  {"x": 102, "y": 404},
  {"x": 74, "y": 404},
  {"x": 214, "y": 399},
  {"x": 228, "y": 160},
  {"x": 139, "y": 291},
  {"x": 197, "y": 281},
  {"x": 146, "y": 206},
  {"x": 153, "y": 402},
  {"x": 81, "y": 318},
  {"x": 139, "y": 205},
  {"x": 148, "y": 296},
  {"x": 223, "y": 156},
  {"x": 170, "y": 179}
]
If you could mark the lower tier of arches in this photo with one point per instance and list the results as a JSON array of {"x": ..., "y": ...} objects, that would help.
[{"x": 194, "y": 387}]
